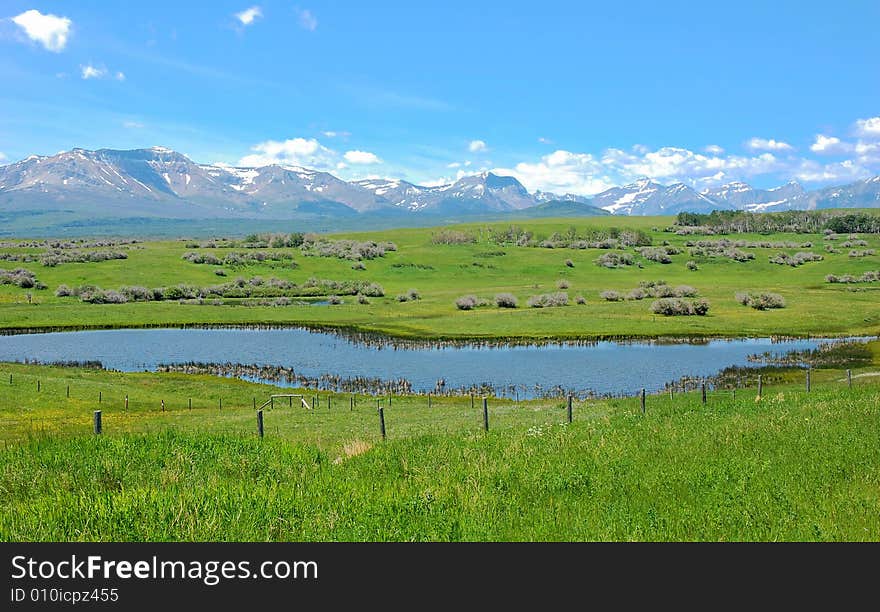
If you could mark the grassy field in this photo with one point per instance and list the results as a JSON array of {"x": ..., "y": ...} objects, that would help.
[
  {"x": 442, "y": 273},
  {"x": 792, "y": 466}
]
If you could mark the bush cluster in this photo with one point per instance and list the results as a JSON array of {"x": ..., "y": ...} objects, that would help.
[
  {"x": 676, "y": 307},
  {"x": 54, "y": 258},
  {"x": 872, "y": 276},
  {"x": 239, "y": 288},
  {"x": 410, "y": 296},
  {"x": 20, "y": 278},
  {"x": 448, "y": 236},
  {"x": 314, "y": 246},
  {"x": 761, "y": 301},
  {"x": 548, "y": 300},
  {"x": 615, "y": 260},
  {"x": 236, "y": 259},
  {"x": 798, "y": 259}
]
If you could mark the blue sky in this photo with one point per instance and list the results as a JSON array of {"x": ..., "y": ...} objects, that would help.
[{"x": 568, "y": 97}]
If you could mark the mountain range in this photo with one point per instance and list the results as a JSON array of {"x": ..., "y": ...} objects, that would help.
[{"x": 161, "y": 183}]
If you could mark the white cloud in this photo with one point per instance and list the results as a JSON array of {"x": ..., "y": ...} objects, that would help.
[
  {"x": 51, "y": 31},
  {"x": 335, "y": 134},
  {"x": 132, "y": 125},
  {"x": 307, "y": 20},
  {"x": 295, "y": 151},
  {"x": 454, "y": 165},
  {"x": 120, "y": 76},
  {"x": 249, "y": 16},
  {"x": 2, "y": 156},
  {"x": 713, "y": 149},
  {"x": 587, "y": 174},
  {"x": 868, "y": 127},
  {"x": 863, "y": 148},
  {"x": 543, "y": 140},
  {"x": 361, "y": 157},
  {"x": 477, "y": 146},
  {"x": 847, "y": 170},
  {"x": 763, "y": 144},
  {"x": 829, "y": 145},
  {"x": 92, "y": 72}
]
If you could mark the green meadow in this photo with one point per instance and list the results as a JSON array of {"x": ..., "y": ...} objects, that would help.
[
  {"x": 791, "y": 465},
  {"x": 179, "y": 457},
  {"x": 442, "y": 273}
]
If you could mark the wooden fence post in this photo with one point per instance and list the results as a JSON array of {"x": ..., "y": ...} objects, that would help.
[
  {"x": 472, "y": 401},
  {"x": 260, "y": 422},
  {"x": 429, "y": 400},
  {"x": 381, "y": 420},
  {"x": 328, "y": 402},
  {"x": 351, "y": 403},
  {"x": 570, "y": 399},
  {"x": 97, "y": 422},
  {"x": 314, "y": 402},
  {"x": 100, "y": 396},
  {"x": 642, "y": 398},
  {"x": 68, "y": 391},
  {"x": 760, "y": 386},
  {"x": 849, "y": 378},
  {"x": 703, "y": 386},
  {"x": 38, "y": 384},
  {"x": 486, "y": 414},
  {"x": 163, "y": 405},
  {"x": 221, "y": 403},
  {"x": 272, "y": 403},
  {"x": 808, "y": 380},
  {"x": 126, "y": 403}
]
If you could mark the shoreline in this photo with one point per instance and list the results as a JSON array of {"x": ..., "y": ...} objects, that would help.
[{"x": 359, "y": 335}]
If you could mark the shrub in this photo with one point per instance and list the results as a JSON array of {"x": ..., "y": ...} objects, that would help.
[
  {"x": 761, "y": 301},
  {"x": 466, "y": 302},
  {"x": 358, "y": 265},
  {"x": 506, "y": 300},
  {"x": 798, "y": 259},
  {"x": 373, "y": 290},
  {"x": 611, "y": 296},
  {"x": 334, "y": 300},
  {"x": 220, "y": 272},
  {"x": 562, "y": 284},
  {"x": 580, "y": 300},
  {"x": 362, "y": 299},
  {"x": 569, "y": 263},
  {"x": 692, "y": 265},
  {"x": 402, "y": 297},
  {"x": 21, "y": 278},
  {"x": 637, "y": 294},
  {"x": 453, "y": 237},
  {"x": 63, "y": 291},
  {"x": 137, "y": 294},
  {"x": 413, "y": 295},
  {"x": 701, "y": 307},
  {"x": 676, "y": 307},
  {"x": 615, "y": 260},
  {"x": 658, "y": 254},
  {"x": 548, "y": 300}
]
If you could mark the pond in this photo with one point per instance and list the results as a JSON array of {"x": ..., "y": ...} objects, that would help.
[{"x": 295, "y": 357}]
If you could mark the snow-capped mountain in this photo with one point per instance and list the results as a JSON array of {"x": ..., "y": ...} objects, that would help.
[
  {"x": 161, "y": 183},
  {"x": 745, "y": 197},
  {"x": 485, "y": 191},
  {"x": 645, "y": 197}
]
